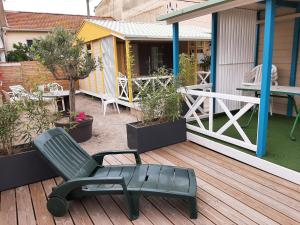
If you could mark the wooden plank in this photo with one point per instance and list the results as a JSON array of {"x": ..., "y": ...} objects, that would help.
[
  {"x": 142, "y": 220},
  {"x": 203, "y": 208},
  {"x": 39, "y": 204},
  {"x": 77, "y": 211},
  {"x": 244, "y": 186},
  {"x": 112, "y": 210},
  {"x": 96, "y": 212},
  {"x": 182, "y": 207},
  {"x": 222, "y": 183},
  {"x": 235, "y": 204},
  {"x": 231, "y": 165},
  {"x": 169, "y": 211},
  {"x": 8, "y": 209},
  {"x": 64, "y": 220},
  {"x": 78, "y": 214},
  {"x": 277, "y": 182},
  {"x": 24, "y": 206}
]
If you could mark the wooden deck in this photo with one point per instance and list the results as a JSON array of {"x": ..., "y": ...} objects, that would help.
[{"x": 229, "y": 192}]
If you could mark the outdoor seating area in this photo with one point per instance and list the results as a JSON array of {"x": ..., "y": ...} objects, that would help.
[
  {"x": 229, "y": 192},
  {"x": 121, "y": 120}
]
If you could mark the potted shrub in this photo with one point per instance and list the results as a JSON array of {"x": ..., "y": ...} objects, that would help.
[
  {"x": 20, "y": 122},
  {"x": 67, "y": 58},
  {"x": 160, "y": 123}
]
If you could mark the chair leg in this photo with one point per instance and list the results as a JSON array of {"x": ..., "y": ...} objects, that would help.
[
  {"x": 117, "y": 108},
  {"x": 133, "y": 206},
  {"x": 104, "y": 109},
  {"x": 193, "y": 208}
]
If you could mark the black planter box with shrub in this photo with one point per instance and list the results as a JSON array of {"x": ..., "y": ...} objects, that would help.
[
  {"x": 145, "y": 138},
  {"x": 23, "y": 168}
]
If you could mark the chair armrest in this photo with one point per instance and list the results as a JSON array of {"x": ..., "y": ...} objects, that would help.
[
  {"x": 100, "y": 156},
  {"x": 67, "y": 187}
]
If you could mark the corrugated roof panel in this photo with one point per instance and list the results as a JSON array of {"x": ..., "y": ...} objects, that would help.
[{"x": 132, "y": 30}]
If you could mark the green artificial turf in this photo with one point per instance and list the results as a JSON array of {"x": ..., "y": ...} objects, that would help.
[{"x": 280, "y": 149}]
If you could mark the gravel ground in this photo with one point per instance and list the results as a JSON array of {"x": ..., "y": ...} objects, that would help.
[{"x": 109, "y": 132}]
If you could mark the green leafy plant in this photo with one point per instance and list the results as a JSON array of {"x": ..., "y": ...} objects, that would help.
[
  {"x": 23, "y": 120},
  {"x": 160, "y": 103},
  {"x": 21, "y": 52},
  {"x": 66, "y": 57},
  {"x": 186, "y": 70},
  {"x": 10, "y": 114}
]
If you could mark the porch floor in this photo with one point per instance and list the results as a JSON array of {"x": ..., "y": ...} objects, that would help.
[
  {"x": 280, "y": 149},
  {"x": 229, "y": 192}
]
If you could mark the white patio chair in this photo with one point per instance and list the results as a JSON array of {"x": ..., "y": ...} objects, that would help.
[
  {"x": 18, "y": 92},
  {"x": 109, "y": 100},
  {"x": 55, "y": 87},
  {"x": 254, "y": 76}
]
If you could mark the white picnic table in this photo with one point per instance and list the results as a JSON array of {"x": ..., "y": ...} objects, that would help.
[{"x": 278, "y": 91}]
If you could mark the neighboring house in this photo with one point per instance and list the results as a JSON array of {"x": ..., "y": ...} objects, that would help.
[
  {"x": 151, "y": 48},
  {"x": 24, "y": 27},
  {"x": 147, "y": 10}
]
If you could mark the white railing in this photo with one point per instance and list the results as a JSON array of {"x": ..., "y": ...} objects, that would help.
[
  {"x": 139, "y": 84},
  {"x": 196, "y": 115},
  {"x": 203, "y": 77}
]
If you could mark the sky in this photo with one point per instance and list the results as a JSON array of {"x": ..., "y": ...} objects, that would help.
[{"x": 51, "y": 6}]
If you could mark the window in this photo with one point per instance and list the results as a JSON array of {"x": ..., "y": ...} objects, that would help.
[{"x": 29, "y": 42}]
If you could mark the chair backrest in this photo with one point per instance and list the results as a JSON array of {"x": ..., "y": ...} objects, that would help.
[
  {"x": 64, "y": 154},
  {"x": 255, "y": 75},
  {"x": 17, "y": 89},
  {"x": 55, "y": 87}
]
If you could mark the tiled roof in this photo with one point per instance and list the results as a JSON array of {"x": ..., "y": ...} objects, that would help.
[
  {"x": 132, "y": 30},
  {"x": 44, "y": 21}
]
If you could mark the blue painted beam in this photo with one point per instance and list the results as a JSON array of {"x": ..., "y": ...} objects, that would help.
[
  {"x": 256, "y": 50},
  {"x": 176, "y": 49},
  {"x": 294, "y": 62},
  {"x": 214, "y": 39},
  {"x": 266, "y": 78}
]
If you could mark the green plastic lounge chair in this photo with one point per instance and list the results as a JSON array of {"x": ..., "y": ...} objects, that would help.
[{"x": 85, "y": 175}]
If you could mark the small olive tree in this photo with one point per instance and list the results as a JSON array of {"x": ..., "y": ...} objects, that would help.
[{"x": 66, "y": 57}]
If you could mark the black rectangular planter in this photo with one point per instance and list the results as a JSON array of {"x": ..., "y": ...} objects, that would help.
[
  {"x": 155, "y": 136},
  {"x": 22, "y": 169}
]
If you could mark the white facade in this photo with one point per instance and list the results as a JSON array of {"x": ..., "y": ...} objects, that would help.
[{"x": 236, "y": 49}]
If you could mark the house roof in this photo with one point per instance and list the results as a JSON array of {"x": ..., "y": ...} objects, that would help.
[
  {"x": 43, "y": 21},
  {"x": 151, "y": 31},
  {"x": 203, "y": 8}
]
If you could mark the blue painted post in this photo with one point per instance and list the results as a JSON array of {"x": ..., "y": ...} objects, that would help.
[
  {"x": 214, "y": 39},
  {"x": 257, "y": 40},
  {"x": 294, "y": 61},
  {"x": 266, "y": 78},
  {"x": 175, "y": 49}
]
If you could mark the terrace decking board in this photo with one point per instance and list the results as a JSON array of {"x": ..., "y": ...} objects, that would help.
[{"x": 229, "y": 192}]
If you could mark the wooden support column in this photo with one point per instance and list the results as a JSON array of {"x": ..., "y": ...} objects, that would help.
[
  {"x": 266, "y": 78},
  {"x": 213, "y": 65},
  {"x": 102, "y": 71},
  {"x": 129, "y": 70},
  {"x": 95, "y": 71},
  {"x": 89, "y": 77},
  {"x": 175, "y": 49},
  {"x": 116, "y": 65},
  {"x": 257, "y": 40},
  {"x": 195, "y": 63}
]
